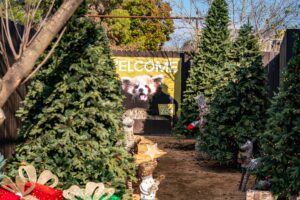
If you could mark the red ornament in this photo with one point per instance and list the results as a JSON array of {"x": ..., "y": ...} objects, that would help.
[
  {"x": 6, "y": 195},
  {"x": 190, "y": 127},
  {"x": 43, "y": 192}
]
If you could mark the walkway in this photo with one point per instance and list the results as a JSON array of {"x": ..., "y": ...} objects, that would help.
[{"x": 190, "y": 179}]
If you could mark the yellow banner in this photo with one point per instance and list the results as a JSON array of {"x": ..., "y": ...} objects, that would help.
[
  {"x": 156, "y": 80},
  {"x": 166, "y": 109}
]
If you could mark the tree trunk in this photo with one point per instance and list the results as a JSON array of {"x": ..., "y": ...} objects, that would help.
[
  {"x": 2, "y": 116},
  {"x": 24, "y": 66}
]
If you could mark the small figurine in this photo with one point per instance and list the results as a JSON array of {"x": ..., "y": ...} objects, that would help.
[
  {"x": 149, "y": 185},
  {"x": 128, "y": 123},
  {"x": 203, "y": 110},
  {"x": 248, "y": 163}
]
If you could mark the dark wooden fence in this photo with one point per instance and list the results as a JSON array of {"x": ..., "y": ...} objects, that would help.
[
  {"x": 9, "y": 128},
  {"x": 271, "y": 63},
  {"x": 275, "y": 63}
]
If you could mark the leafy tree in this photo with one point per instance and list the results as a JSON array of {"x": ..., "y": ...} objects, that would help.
[
  {"x": 281, "y": 139},
  {"x": 149, "y": 34},
  {"x": 103, "y": 7},
  {"x": 119, "y": 29},
  {"x": 71, "y": 115},
  {"x": 22, "y": 11},
  {"x": 237, "y": 113},
  {"x": 143, "y": 34},
  {"x": 210, "y": 67}
]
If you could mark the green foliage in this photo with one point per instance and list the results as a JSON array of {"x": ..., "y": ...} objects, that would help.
[
  {"x": 211, "y": 68},
  {"x": 149, "y": 34},
  {"x": 143, "y": 34},
  {"x": 24, "y": 11},
  {"x": 237, "y": 112},
  {"x": 103, "y": 7},
  {"x": 71, "y": 115},
  {"x": 33, "y": 12},
  {"x": 281, "y": 139},
  {"x": 119, "y": 28},
  {"x": 245, "y": 51}
]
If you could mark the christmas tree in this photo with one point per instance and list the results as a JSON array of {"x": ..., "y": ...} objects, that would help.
[
  {"x": 281, "y": 140},
  {"x": 237, "y": 113},
  {"x": 245, "y": 51},
  {"x": 72, "y": 113},
  {"x": 210, "y": 67}
]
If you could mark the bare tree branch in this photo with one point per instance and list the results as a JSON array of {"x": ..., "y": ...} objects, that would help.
[
  {"x": 47, "y": 57},
  {"x": 13, "y": 19},
  {"x": 5, "y": 26},
  {"x": 2, "y": 116},
  {"x": 233, "y": 13},
  {"x": 24, "y": 66},
  {"x": 41, "y": 24},
  {"x": 267, "y": 16}
]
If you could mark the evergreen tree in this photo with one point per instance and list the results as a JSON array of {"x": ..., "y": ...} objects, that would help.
[
  {"x": 210, "y": 64},
  {"x": 281, "y": 139},
  {"x": 245, "y": 51},
  {"x": 237, "y": 113},
  {"x": 71, "y": 115}
]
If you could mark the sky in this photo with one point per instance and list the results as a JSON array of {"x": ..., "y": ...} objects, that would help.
[{"x": 185, "y": 29}]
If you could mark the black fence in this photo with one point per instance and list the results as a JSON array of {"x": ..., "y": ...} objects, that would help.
[
  {"x": 275, "y": 63},
  {"x": 272, "y": 69}
]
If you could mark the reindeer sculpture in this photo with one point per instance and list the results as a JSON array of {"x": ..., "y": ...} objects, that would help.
[
  {"x": 202, "y": 109},
  {"x": 248, "y": 164}
]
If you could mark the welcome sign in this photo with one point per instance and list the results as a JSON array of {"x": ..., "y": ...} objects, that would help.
[
  {"x": 151, "y": 83},
  {"x": 146, "y": 66}
]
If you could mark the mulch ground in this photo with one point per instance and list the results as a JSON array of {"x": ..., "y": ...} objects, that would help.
[{"x": 189, "y": 178}]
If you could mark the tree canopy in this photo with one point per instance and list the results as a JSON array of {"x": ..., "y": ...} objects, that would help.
[{"x": 143, "y": 34}]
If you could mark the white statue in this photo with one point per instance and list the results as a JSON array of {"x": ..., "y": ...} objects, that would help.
[{"x": 149, "y": 185}]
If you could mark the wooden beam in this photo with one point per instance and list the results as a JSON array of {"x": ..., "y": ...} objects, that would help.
[{"x": 145, "y": 17}]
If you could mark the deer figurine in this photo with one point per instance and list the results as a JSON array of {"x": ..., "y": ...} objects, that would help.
[
  {"x": 203, "y": 110},
  {"x": 247, "y": 162}
]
